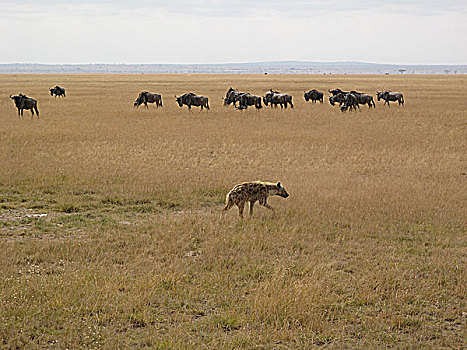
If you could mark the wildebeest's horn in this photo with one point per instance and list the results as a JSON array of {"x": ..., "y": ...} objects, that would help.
[{"x": 10, "y": 95}]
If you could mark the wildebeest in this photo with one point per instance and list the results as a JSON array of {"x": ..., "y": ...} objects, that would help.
[
  {"x": 364, "y": 99},
  {"x": 23, "y": 102},
  {"x": 248, "y": 99},
  {"x": 57, "y": 91},
  {"x": 190, "y": 99},
  {"x": 339, "y": 98},
  {"x": 232, "y": 97},
  {"x": 147, "y": 97},
  {"x": 313, "y": 95},
  {"x": 350, "y": 101},
  {"x": 276, "y": 98},
  {"x": 390, "y": 96},
  {"x": 335, "y": 92}
]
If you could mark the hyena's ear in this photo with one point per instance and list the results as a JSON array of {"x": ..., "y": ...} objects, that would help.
[{"x": 279, "y": 185}]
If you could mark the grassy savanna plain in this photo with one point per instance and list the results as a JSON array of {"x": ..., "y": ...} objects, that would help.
[{"x": 110, "y": 228}]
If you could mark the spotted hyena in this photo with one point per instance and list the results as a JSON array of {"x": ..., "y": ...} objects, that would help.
[{"x": 252, "y": 192}]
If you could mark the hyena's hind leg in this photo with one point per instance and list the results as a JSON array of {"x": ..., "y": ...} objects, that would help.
[
  {"x": 240, "y": 206},
  {"x": 229, "y": 204},
  {"x": 252, "y": 203}
]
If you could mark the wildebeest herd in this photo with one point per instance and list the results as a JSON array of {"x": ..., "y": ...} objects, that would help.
[{"x": 347, "y": 100}]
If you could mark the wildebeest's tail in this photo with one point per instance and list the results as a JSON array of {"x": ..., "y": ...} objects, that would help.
[
  {"x": 372, "y": 102},
  {"x": 35, "y": 108},
  {"x": 207, "y": 104},
  {"x": 402, "y": 99}
]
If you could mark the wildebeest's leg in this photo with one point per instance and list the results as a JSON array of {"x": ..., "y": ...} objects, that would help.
[
  {"x": 21, "y": 112},
  {"x": 241, "y": 206},
  {"x": 18, "y": 113},
  {"x": 252, "y": 203},
  {"x": 291, "y": 104}
]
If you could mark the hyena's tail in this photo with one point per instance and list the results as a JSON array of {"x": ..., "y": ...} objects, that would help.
[{"x": 228, "y": 203}]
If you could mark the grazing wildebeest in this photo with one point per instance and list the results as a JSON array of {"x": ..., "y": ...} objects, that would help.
[
  {"x": 313, "y": 95},
  {"x": 23, "y": 102},
  {"x": 190, "y": 99},
  {"x": 248, "y": 99},
  {"x": 350, "y": 101},
  {"x": 390, "y": 96},
  {"x": 57, "y": 91},
  {"x": 364, "y": 99},
  {"x": 276, "y": 98},
  {"x": 147, "y": 97},
  {"x": 339, "y": 98}
]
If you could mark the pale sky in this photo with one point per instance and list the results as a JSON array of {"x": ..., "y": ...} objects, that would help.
[{"x": 143, "y": 31}]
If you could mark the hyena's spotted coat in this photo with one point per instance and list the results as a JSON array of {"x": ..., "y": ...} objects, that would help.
[{"x": 252, "y": 192}]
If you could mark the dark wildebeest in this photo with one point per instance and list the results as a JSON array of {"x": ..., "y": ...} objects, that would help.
[
  {"x": 364, "y": 99},
  {"x": 23, "y": 102},
  {"x": 57, "y": 91},
  {"x": 350, "y": 101},
  {"x": 390, "y": 96},
  {"x": 229, "y": 91},
  {"x": 276, "y": 98},
  {"x": 339, "y": 98},
  {"x": 247, "y": 99},
  {"x": 313, "y": 95},
  {"x": 232, "y": 96},
  {"x": 335, "y": 92},
  {"x": 190, "y": 99},
  {"x": 147, "y": 97},
  {"x": 267, "y": 98}
]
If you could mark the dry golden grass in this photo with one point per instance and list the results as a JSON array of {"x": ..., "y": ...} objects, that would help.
[{"x": 369, "y": 251}]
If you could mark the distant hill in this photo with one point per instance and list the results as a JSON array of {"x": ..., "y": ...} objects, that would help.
[{"x": 279, "y": 67}]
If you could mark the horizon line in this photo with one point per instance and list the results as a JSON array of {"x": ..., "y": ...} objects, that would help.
[{"x": 238, "y": 63}]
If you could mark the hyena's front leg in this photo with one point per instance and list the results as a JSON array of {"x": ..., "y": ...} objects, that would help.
[{"x": 265, "y": 204}]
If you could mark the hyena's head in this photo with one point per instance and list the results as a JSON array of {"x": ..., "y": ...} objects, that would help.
[{"x": 279, "y": 190}]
